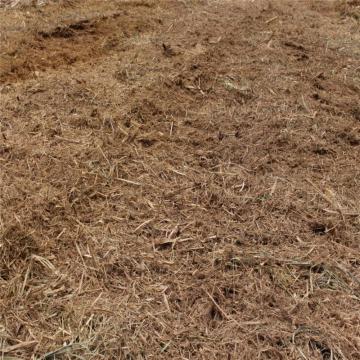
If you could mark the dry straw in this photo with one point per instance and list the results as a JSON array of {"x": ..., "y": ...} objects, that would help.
[{"x": 180, "y": 180}]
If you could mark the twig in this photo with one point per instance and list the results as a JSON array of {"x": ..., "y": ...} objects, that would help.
[
  {"x": 226, "y": 316},
  {"x": 143, "y": 224},
  {"x": 271, "y": 20},
  {"x": 129, "y": 182}
]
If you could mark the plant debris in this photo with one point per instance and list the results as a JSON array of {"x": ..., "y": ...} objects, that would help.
[{"x": 179, "y": 180}]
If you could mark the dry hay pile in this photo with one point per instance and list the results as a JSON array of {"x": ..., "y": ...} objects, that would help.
[{"x": 175, "y": 185}]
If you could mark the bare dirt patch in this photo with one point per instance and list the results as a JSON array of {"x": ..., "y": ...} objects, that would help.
[
  {"x": 180, "y": 180},
  {"x": 73, "y": 41}
]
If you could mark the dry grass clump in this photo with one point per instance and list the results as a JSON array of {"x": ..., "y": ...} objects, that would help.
[{"x": 176, "y": 185}]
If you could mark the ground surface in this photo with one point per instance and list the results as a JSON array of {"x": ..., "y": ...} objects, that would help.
[{"x": 180, "y": 180}]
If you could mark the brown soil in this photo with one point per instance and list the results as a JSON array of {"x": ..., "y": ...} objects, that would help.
[{"x": 180, "y": 180}]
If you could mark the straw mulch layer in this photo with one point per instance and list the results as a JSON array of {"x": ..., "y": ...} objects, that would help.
[{"x": 180, "y": 180}]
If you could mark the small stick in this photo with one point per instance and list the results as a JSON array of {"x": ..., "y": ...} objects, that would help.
[
  {"x": 226, "y": 316},
  {"x": 166, "y": 302},
  {"x": 143, "y": 224},
  {"x": 129, "y": 182},
  {"x": 171, "y": 128},
  {"x": 271, "y": 20}
]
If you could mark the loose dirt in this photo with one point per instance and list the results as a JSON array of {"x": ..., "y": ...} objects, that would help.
[{"x": 180, "y": 179}]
